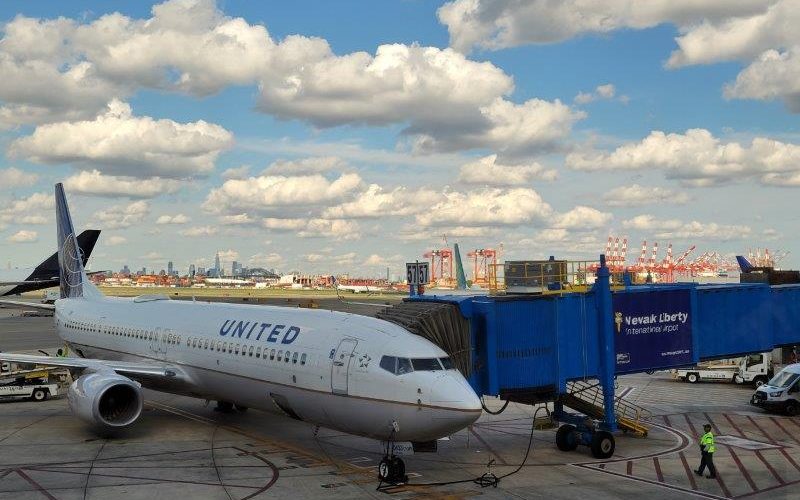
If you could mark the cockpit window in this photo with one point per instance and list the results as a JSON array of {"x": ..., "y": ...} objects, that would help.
[
  {"x": 389, "y": 363},
  {"x": 398, "y": 366},
  {"x": 426, "y": 364},
  {"x": 447, "y": 363}
]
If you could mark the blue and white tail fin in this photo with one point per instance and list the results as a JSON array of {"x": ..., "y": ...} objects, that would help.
[
  {"x": 72, "y": 278},
  {"x": 744, "y": 264}
]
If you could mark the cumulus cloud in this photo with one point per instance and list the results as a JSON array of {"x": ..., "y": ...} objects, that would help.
[
  {"x": 117, "y": 142},
  {"x": 115, "y": 240},
  {"x": 13, "y": 177},
  {"x": 95, "y": 183},
  {"x": 767, "y": 39},
  {"x": 488, "y": 171},
  {"x": 28, "y": 210},
  {"x": 581, "y": 217},
  {"x": 606, "y": 91},
  {"x": 268, "y": 192},
  {"x": 173, "y": 219},
  {"x": 439, "y": 95},
  {"x": 241, "y": 172},
  {"x": 306, "y": 166},
  {"x": 122, "y": 216},
  {"x": 638, "y": 195},
  {"x": 486, "y": 207},
  {"x": 697, "y": 158},
  {"x": 23, "y": 236},
  {"x": 337, "y": 229},
  {"x": 376, "y": 201},
  {"x": 675, "y": 229},
  {"x": 497, "y": 24},
  {"x": 265, "y": 259},
  {"x": 199, "y": 231}
]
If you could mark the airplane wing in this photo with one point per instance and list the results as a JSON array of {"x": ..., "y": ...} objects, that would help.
[
  {"x": 135, "y": 371},
  {"x": 23, "y": 304}
]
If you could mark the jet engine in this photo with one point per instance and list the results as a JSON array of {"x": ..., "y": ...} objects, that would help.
[{"x": 107, "y": 401}]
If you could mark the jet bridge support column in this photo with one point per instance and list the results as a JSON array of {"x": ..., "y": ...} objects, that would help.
[{"x": 602, "y": 289}]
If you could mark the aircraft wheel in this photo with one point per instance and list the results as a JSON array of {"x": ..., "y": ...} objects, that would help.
[
  {"x": 224, "y": 406},
  {"x": 392, "y": 470},
  {"x": 603, "y": 444},
  {"x": 565, "y": 438}
]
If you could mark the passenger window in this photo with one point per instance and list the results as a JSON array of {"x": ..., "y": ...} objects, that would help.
[
  {"x": 236, "y": 351},
  {"x": 303, "y": 359},
  {"x": 280, "y": 355},
  {"x": 286, "y": 359},
  {"x": 194, "y": 342},
  {"x": 258, "y": 352},
  {"x": 244, "y": 350},
  {"x": 389, "y": 363},
  {"x": 205, "y": 346},
  {"x": 250, "y": 352},
  {"x": 272, "y": 355},
  {"x": 230, "y": 348},
  {"x": 294, "y": 358}
]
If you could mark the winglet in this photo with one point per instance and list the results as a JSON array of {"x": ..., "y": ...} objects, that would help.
[{"x": 71, "y": 273}]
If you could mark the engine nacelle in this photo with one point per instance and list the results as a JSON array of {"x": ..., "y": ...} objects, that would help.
[{"x": 107, "y": 401}]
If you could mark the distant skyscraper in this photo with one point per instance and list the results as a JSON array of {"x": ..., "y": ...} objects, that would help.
[
  {"x": 201, "y": 271},
  {"x": 125, "y": 269},
  {"x": 169, "y": 268},
  {"x": 217, "y": 268},
  {"x": 191, "y": 270},
  {"x": 144, "y": 270},
  {"x": 235, "y": 268}
]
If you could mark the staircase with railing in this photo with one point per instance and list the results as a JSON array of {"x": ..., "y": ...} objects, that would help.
[{"x": 587, "y": 398}]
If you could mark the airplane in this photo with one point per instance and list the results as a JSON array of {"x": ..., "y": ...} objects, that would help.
[
  {"x": 45, "y": 275},
  {"x": 356, "y": 374}
]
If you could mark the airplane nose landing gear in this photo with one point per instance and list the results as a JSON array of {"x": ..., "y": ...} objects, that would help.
[{"x": 391, "y": 469}]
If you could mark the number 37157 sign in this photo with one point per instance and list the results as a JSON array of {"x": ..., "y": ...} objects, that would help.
[{"x": 417, "y": 273}]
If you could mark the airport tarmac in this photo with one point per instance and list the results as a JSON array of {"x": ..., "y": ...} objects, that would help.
[{"x": 182, "y": 447}]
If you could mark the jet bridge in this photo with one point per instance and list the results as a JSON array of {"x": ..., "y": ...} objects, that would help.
[{"x": 536, "y": 348}]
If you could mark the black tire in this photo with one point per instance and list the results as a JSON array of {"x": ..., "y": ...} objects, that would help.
[
  {"x": 39, "y": 395},
  {"x": 692, "y": 378},
  {"x": 792, "y": 408},
  {"x": 392, "y": 470},
  {"x": 759, "y": 381},
  {"x": 241, "y": 408},
  {"x": 224, "y": 407},
  {"x": 603, "y": 444},
  {"x": 565, "y": 438}
]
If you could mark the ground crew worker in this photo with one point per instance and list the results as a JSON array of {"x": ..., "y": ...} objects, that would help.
[{"x": 707, "y": 450}]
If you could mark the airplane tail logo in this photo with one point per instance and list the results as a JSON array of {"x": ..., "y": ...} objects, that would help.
[{"x": 70, "y": 260}]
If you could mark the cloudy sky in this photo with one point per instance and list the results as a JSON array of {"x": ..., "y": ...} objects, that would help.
[{"x": 351, "y": 136}]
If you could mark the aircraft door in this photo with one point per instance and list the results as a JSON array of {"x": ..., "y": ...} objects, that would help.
[
  {"x": 166, "y": 336},
  {"x": 340, "y": 365}
]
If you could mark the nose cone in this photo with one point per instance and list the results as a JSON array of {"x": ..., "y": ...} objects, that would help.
[{"x": 455, "y": 403}]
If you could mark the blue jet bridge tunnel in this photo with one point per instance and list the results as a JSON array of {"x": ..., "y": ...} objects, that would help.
[{"x": 529, "y": 348}]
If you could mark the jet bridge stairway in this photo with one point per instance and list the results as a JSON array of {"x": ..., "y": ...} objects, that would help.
[{"x": 587, "y": 398}]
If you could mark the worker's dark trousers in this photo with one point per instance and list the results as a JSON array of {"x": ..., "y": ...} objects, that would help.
[{"x": 707, "y": 460}]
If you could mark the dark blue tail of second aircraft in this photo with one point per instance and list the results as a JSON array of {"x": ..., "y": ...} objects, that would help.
[{"x": 744, "y": 264}]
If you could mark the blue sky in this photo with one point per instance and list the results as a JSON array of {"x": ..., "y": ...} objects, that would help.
[{"x": 350, "y": 136}]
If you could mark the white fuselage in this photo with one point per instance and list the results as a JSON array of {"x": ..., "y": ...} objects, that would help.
[{"x": 319, "y": 366}]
